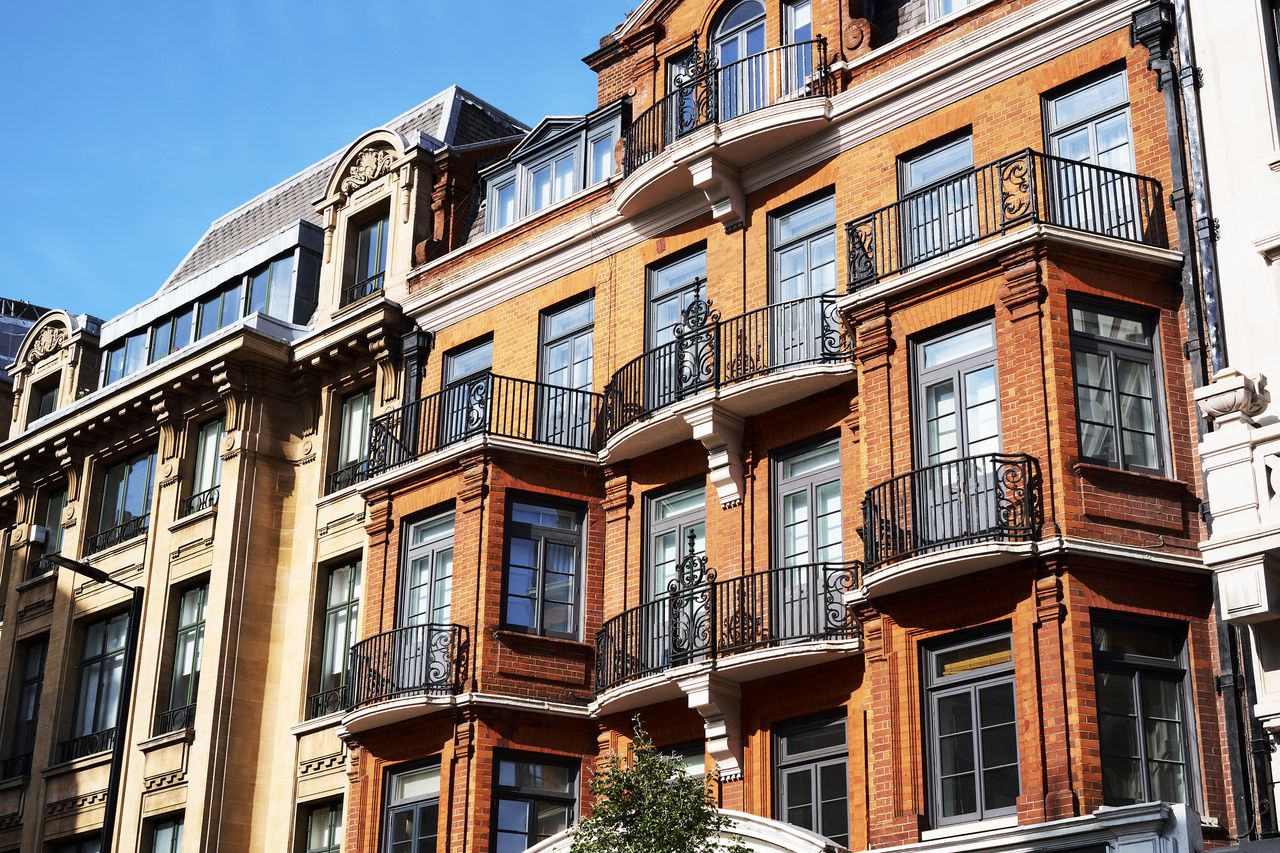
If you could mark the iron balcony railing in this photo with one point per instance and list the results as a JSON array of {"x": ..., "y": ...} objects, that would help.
[
  {"x": 702, "y": 619},
  {"x": 347, "y": 475},
  {"x": 15, "y": 766},
  {"x": 486, "y": 405},
  {"x": 90, "y": 744},
  {"x": 42, "y": 565},
  {"x": 708, "y": 352},
  {"x": 995, "y": 497},
  {"x": 120, "y": 533},
  {"x": 420, "y": 660},
  {"x": 199, "y": 501},
  {"x": 327, "y": 702},
  {"x": 176, "y": 719},
  {"x": 361, "y": 289},
  {"x": 706, "y": 94},
  {"x": 1022, "y": 188}
]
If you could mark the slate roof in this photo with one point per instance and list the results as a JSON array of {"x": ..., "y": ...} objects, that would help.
[{"x": 454, "y": 116}]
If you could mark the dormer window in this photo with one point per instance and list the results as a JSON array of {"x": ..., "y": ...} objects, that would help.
[
  {"x": 269, "y": 288},
  {"x": 366, "y": 272},
  {"x": 220, "y": 308},
  {"x": 44, "y": 397}
]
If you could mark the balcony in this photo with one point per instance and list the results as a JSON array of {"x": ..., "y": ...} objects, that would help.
[
  {"x": 750, "y": 363},
  {"x": 746, "y": 627},
  {"x": 1018, "y": 191},
  {"x": 347, "y": 475},
  {"x": 130, "y": 529},
  {"x": 949, "y": 519},
  {"x": 353, "y": 293},
  {"x": 749, "y": 109},
  {"x": 85, "y": 745},
  {"x": 491, "y": 405},
  {"x": 404, "y": 673},
  {"x": 15, "y": 766},
  {"x": 176, "y": 719},
  {"x": 198, "y": 502}
]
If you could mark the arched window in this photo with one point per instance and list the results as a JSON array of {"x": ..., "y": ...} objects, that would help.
[{"x": 738, "y": 37}]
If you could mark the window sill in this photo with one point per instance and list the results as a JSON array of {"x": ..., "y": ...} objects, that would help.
[
  {"x": 151, "y": 744},
  {"x": 1094, "y": 471},
  {"x": 32, "y": 583},
  {"x": 508, "y": 637},
  {"x": 192, "y": 519},
  {"x": 317, "y": 724},
  {"x": 118, "y": 548},
  {"x": 363, "y": 301},
  {"x": 970, "y": 828},
  {"x": 14, "y": 782},
  {"x": 95, "y": 760}
]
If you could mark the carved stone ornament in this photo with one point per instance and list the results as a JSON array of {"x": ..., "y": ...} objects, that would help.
[
  {"x": 1232, "y": 393},
  {"x": 369, "y": 165},
  {"x": 46, "y": 343}
]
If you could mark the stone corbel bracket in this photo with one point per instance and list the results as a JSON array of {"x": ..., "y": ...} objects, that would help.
[
  {"x": 719, "y": 703},
  {"x": 722, "y": 185},
  {"x": 721, "y": 434}
]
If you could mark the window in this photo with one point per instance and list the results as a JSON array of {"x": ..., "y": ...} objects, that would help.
[
  {"x": 803, "y": 268},
  {"x": 942, "y": 8},
  {"x": 533, "y": 800},
  {"x": 971, "y": 729},
  {"x": 126, "y": 502},
  {"x": 674, "y": 519},
  {"x": 504, "y": 205},
  {"x": 98, "y": 696},
  {"x": 1090, "y": 125},
  {"x": 463, "y": 401},
  {"x": 544, "y": 552},
  {"x": 412, "y": 811},
  {"x": 49, "y": 516},
  {"x": 323, "y": 829},
  {"x": 367, "y": 261},
  {"x": 565, "y": 407},
  {"x": 939, "y": 200},
  {"x": 44, "y": 398},
  {"x": 1144, "y": 714},
  {"x": 341, "y": 621},
  {"x": 113, "y": 364},
  {"x": 125, "y": 357},
  {"x": 672, "y": 288},
  {"x": 166, "y": 835},
  {"x": 808, "y": 540},
  {"x": 206, "y": 476},
  {"x": 88, "y": 844},
  {"x": 426, "y": 589},
  {"x": 270, "y": 288},
  {"x": 30, "y": 683},
  {"x": 957, "y": 426},
  {"x": 220, "y": 309},
  {"x": 353, "y": 440},
  {"x": 602, "y": 159},
  {"x": 798, "y": 19},
  {"x": 693, "y": 757},
  {"x": 552, "y": 181},
  {"x": 813, "y": 776},
  {"x": 1114, "y": 355},
  {"x": 739, "y": 35},
  {"x": 187, "y": 646},
  {"x": 170, "y": 334}
]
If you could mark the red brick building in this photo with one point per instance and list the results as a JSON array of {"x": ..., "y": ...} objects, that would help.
[{"x": 821, "y": 400}]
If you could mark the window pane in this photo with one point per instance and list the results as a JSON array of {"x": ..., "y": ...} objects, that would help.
[
  {"x": 813, "y": 217},
  {"x": 135, "y": 350},
  {"x": 416, "y": 784},
  {"x": 602, "y": 158},
  {"x": 506, "y": 205},
  {"x": 941, "y": 163},
  {"x": 1102, "y": 324},
  {"x": 278, "y": 302},
  {"x": 182, "y": 329},
  {"x": 1099, "y": 97},
  {"x": 954, "y": 347},
  {"x": 231, "y": 304}
]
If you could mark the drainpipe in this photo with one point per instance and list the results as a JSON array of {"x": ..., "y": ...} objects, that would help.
[{"x": 1154, "y": 27}]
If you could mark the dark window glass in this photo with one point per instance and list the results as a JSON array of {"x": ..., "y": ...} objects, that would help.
[
  {"x": 1117, "y": 388},
  {"x": 113, "y": 364},
  {"x": 101, "y": 668},
  {"x": 30, "y": 684},
  {"x": 534, "y": 799},
  {"x": 341, "y": 616},
  {"x": 187, "y": 647},
  {"x": 269, "y": 288},
  {"x": 371, "y": 253},
  {"x": 1143, "y": 712},
  {"x": 972, "y": 730},
  {"x": 813, "y": 776},
  {"x": 126, "y": 493},
  {"x": 166, "y": 835},
  {"x": 44, "y": 398},
  {"x": 412, "y": 811},
  {"x": 567, "y": 352},
  {"x": 544, "y": 549},
  {"x": 324, "y": 829},
  {"x": 161, "y": 339}
]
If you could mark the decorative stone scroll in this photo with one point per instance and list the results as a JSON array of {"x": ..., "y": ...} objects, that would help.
[
  {"x": 369, "y": 165},
  {"x": 48, "y": 342}
]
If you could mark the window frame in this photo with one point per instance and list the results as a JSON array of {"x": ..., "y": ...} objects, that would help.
[
  {"x": 333, "y": 830},
  {"x": 811, "y": 482},
  {"x": 1179, "y": 666},
  {"x": 934, "y": 10},
  {"x": 958, "y": 369},
  {"x": 183, "y": 695},
  {"x": 128, "y": 464},
  {"x": 534, "y": 796},
  {"x": 102, "y": 687},
  {"x": 329, "y": 638},
  {"x": 343, "y": 449},
  {"x": 812, "y": 760},
  {"x": 969, "y": 682},
  {"x": 542, "y": 535},
  {"x": 45, "y": 392},
  {"x": 1052, "y": 132},
  {"x": 173, "y": 822},
  {"x": 654, "y": 527},
  {"x": 214, "y": 430},
  {"x": 392, "y": 807},
  {"x": 27, "y": 695},
  {"x": 49, "y": 509},
  {"x": 1113, "y": 349}
]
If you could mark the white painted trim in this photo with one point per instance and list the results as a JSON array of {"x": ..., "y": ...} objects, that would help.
[{"x": 969, "y": 828}]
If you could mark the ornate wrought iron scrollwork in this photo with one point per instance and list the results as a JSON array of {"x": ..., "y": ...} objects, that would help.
[
  {"x": 696, "y": 343},
  {"x": 1016, "y": 199},
  {"x": 695, "y": 84},
  {"x": 862, "y": 253},
  {"x": 837, "y": 617},
  {"x": 476, "y": 413},
  {"x": 837, "y": 343},
  {"x": 691, "y": 600}
]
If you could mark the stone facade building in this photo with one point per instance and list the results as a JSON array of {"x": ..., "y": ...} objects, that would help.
[{"x": 821, "y": 398}]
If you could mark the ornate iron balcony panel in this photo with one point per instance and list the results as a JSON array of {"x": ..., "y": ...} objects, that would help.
[
  {"x": 90, "y": 744},
  {"x": 709, "y": 352},
  {"x": 199, "y": 501},
  {"x": 1023, "y": 188},
  {"x": 361, "y": 289},
  {"x": 15, "y": 766},
  {"x": 176, "y": 719},
  {"x": 705, "y": 94},
  {"x": 327, "y": 702},
  {"x": 488, "y": 405},
  {"x": 995, "y": 497},
  {"x": 348, "y": 475},
  {"x": 420, "y": 660},
  {"x": 703, "y": 619},
  {"x": 120, "y": 533}
]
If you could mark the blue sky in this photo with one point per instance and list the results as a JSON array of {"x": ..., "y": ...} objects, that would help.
[{"x": 129, "y": 125}]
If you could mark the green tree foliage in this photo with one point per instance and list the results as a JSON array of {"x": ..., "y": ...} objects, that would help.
[{"x": 651, "y": 805}]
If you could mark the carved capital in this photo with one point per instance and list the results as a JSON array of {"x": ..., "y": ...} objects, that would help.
[
  {"x": 617, "y": 492},
  {"x": 384, "y": 346},
  {"x": 473, "y": 483},
  {"x": 70, "y": 458},
  {"x": 1049, "y": 604},
  {"x": 229, "y": 382},
  {"x": 165, "y": 413},
  {"x": 873, "y": 340},
  {"x": 1232, "y": 396},
  {"x": 1023, "y": 290}
]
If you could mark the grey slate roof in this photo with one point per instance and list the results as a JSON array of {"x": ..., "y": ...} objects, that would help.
[{"x": 454, "y": 116}]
